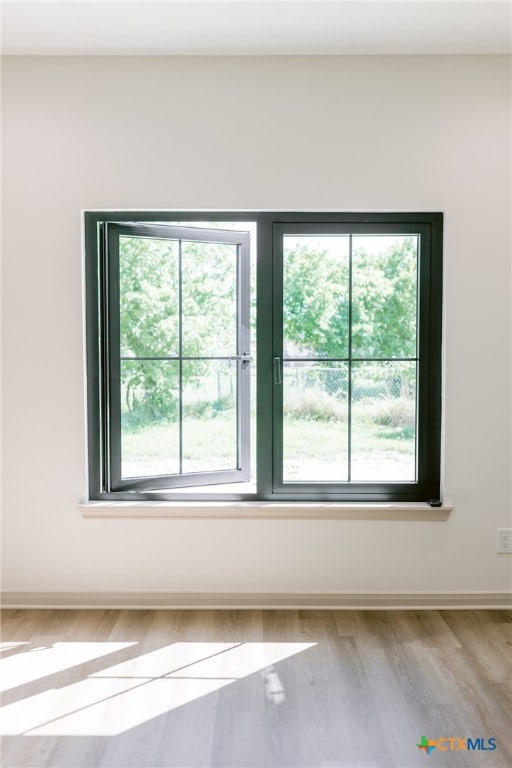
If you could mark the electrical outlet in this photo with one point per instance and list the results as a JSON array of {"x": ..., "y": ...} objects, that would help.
[{"x": 504, "y": 541}]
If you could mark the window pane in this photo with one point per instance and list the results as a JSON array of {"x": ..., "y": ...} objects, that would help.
[
  {"x": 149, "y": 417},
  {"x": 315, "y": 422},
  {"x": 209, "y": 299},
  {"x": 209, "y": 415},
  {"x": 383, "y": 422},
  {"x": 148, "y": 276},
  {"x": 315, "y": 296},
  {"x": 384, "y": 287}
]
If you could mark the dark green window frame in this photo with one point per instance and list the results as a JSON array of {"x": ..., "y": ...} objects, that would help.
[{"x": 270, "y": 228}]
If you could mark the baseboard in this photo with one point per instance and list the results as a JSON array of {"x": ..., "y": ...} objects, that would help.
[{"x": 258, "y": 600}]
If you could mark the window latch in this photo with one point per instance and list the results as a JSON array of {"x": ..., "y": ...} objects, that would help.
[
  {"x": 245, "y": 358},
  {"x": 277, "y": 370}
]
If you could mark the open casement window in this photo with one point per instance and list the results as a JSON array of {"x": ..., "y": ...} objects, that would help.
[
  {"x": 176, "y": 341},
  {"x": 340, "y": 393}
]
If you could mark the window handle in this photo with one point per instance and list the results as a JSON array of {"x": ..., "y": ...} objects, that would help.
[
  {"x": 277, "y": 370},
  {"x": 245, "y": 358}
]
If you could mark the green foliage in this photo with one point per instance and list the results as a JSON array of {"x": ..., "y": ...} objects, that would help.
[
  {"x": 209, "y": 409},
  {"x": 149, "y": 321},
  {"x": 316, "y": 322},
  {"x": 315, "y": 405},
  {"x": 149, "y": 392},
  {"x": 399, "y": 412},
  {"x": 316, "y": 301},
  {"x": 384, "y": 301}
]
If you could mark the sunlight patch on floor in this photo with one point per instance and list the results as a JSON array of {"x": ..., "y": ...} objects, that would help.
[
  {"x": 42, "y": 660},
  {"x": 132, "y": 692},
  {"x": 12, "y": 646}
]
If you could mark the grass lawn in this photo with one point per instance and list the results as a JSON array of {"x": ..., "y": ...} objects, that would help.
[{"x": 210, "y": 445}]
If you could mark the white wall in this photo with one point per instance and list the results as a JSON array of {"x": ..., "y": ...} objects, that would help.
[{"x": 371, "y": 133}]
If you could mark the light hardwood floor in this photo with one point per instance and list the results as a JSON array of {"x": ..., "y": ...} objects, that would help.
[{"x": 254, "y": 688}]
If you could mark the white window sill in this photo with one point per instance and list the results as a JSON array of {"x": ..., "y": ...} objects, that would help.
[{"x": 264, "y": 510}]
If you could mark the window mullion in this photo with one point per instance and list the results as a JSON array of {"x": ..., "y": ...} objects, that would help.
[
  {"x": 349, "y": 389},
  {"x": 264, "y": 339},
  {"x": 180, "y": 354}
]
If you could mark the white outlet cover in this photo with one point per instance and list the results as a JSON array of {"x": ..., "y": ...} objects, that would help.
[{"x": 504, "y": 541}]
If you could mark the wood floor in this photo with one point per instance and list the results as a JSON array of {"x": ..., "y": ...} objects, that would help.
[{"x": 255, "y": 688}]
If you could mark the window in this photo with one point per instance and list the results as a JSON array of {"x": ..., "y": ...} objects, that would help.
[{"x": 245, "y": 356}]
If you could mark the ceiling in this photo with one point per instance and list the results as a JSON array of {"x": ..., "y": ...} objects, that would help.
[{"x": 255, "y": 27}]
